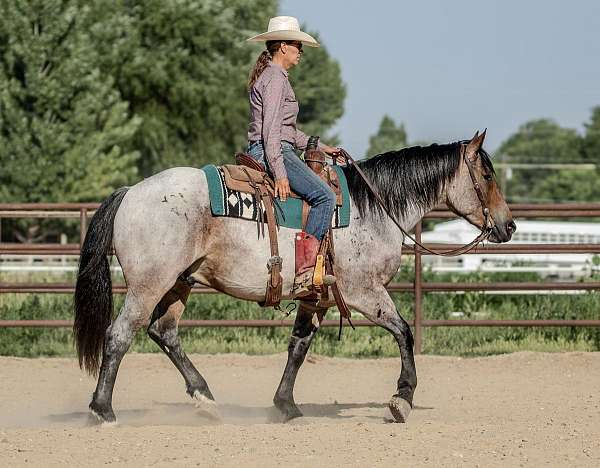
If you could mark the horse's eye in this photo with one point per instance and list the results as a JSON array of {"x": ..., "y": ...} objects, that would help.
[{"x": 487, "y": 177}]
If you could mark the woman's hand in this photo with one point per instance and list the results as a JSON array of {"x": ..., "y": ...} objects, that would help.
[
  {"x": 330, "y": 150},
  {"x": 282, "y": 189}
]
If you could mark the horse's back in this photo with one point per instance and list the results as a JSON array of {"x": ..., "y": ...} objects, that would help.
[{"x": 160, "y": 220}]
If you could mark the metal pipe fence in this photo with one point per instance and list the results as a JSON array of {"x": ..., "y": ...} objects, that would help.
[{"x": 418, "y": 287}]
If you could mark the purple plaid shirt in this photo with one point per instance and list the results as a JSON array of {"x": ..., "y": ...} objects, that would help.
[{"x": 273, "y": 115}]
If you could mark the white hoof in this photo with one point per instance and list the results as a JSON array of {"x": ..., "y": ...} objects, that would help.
[
  {"x": 99, "y": 419},
  {"x": 109, "y": 424},
  {"x": 400, "y": 408},
  {"x": 206, "y": 406}
]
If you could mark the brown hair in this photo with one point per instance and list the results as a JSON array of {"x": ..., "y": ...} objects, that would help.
[{"x": 262, "y": 61}]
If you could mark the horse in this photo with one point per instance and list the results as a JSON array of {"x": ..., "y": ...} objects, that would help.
[{"x": 166, "y": 239}]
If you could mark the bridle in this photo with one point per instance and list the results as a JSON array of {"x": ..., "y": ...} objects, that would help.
[{"x": 486, "y": 229}]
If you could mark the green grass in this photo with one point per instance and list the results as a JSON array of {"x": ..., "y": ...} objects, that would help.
[{"x": 362, "y": 342}]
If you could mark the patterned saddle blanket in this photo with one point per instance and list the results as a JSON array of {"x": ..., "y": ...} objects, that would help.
[{"x": 228, "y": 202}]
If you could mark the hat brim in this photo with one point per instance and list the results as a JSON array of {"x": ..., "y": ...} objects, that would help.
[{"x": 286, "y": 35}]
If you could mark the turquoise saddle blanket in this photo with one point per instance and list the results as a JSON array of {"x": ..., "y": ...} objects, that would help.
[{"x": 233, "y": 204}]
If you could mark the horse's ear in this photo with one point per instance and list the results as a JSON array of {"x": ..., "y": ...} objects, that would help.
[{"x": 475, "y": 144}]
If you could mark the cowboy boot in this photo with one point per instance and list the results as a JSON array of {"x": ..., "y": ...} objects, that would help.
[{"x": 307, "y": 249}]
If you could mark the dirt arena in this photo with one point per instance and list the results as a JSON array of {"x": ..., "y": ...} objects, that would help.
[{"x": 524, "y": 409}]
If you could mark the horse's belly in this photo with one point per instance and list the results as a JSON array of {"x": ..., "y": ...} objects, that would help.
[{"x": 236, "y": 259}]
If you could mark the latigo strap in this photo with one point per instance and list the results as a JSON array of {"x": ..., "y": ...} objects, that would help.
[{"x": 275, "y": 281}]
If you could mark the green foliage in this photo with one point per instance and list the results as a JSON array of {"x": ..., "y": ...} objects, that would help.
[
  {"x": 183, "y": 67},
  {"x": 545, "y": 142},
  {"x": 389, "y": 137},
  {"x": 94, "y": 94},
  {"x": 362, "y": 342},
  {"x": 569, "y": 185},
  {"x": 65, "y": 132},
  {"x": 591, "y": 139}
]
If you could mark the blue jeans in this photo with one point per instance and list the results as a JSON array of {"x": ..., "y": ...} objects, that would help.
[{"x": 305, "y": 183}]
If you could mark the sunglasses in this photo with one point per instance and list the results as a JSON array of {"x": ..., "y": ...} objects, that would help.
[{"x": 297, "y": 45}]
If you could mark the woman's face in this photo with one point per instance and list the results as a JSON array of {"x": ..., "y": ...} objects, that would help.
[{"x": 291, "y": 52}]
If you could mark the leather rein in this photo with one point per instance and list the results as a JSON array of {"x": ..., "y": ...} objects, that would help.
[{"x": 486, "y": 229}]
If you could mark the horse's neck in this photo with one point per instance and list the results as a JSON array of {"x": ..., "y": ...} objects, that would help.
[
  {"x": 409, "y": 219},
  {"x": 415, "y": 214},
  {"x": 388, "y": 233}
]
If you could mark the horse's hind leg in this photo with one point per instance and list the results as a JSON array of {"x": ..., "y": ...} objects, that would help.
[
  {"x": 163, "y": 332},
  {"x": 306, "y": 326},
  {"x": 119, "y": 335}
]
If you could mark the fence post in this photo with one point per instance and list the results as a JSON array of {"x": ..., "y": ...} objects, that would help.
[
  {"x": 82, "y": 225},
  {"x": 418, "y": 292}
]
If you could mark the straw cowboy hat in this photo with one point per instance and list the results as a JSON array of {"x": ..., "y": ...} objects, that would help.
[{"x": 285, "y": 28}]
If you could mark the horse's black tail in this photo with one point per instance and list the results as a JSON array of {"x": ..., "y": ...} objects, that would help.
[{"x": 93, "y": 292}]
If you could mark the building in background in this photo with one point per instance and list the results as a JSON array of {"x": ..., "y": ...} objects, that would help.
[{"x": 528, "y": 232}]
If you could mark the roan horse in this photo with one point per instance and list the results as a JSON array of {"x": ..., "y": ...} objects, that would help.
[{"x": 166, "y": 238}]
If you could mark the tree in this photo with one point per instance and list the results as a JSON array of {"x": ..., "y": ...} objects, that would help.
[
  {"x": 591, "y": 139},
  {"x": 183, "y": 66},
  {"x": 63, "y": 126},
  {"x": 572, "y": 184},
  {"x": 539, "y": 141},
  {"x": 389, "y": 137},
  {"x": 92, "y": 85},
  {"x": 569, "y": 185}
]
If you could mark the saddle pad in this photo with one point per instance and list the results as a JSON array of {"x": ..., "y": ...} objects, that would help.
[{"x": 233, "y": 204}]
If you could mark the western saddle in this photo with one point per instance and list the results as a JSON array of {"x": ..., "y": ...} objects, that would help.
[{"x": 249, "y": 176}]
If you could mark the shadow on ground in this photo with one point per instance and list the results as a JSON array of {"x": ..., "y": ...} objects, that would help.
[{"x": 186, "y": 414}]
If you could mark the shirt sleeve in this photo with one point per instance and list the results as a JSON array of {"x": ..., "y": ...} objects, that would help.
[
  {"x": 272, "y": 123},
  {"x": 301, "y": 139}
]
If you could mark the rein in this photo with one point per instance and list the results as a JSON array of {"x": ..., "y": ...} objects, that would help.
[{"x": 486, "y": 230}]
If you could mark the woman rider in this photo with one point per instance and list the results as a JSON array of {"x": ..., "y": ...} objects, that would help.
[{"x": 273, "y": 137}]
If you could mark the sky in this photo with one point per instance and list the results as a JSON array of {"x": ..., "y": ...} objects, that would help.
[{"x": 448, "y": 68}]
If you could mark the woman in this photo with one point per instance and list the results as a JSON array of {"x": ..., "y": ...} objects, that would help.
[{"x": 273, "y": 137}]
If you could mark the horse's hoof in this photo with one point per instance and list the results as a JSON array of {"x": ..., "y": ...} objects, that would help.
[
  {"x": 400, "y": 408},
  {"x": 207, "y": 407},
  {"x": 289, "y": 410},
  {"x": 103, "y": 415},
  {"x": 292, "y": 413}
]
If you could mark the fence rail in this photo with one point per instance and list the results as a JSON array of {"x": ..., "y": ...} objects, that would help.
[{"x": 565, "y": 210}]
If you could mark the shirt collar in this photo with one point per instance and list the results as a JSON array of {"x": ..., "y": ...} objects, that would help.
[{"x": 279, "y": 67}]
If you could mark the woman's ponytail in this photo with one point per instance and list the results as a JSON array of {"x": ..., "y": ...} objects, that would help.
[{"x": 263, "y": 60}]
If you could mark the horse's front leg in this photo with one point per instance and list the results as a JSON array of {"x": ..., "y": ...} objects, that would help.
[
  {"x": 377, "y": 305},
  {"x": 306, "y": 326}
]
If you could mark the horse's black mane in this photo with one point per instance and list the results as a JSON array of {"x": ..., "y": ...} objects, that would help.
[{"x": 409, "y": 177}]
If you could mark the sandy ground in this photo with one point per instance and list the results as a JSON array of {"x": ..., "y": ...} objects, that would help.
[{"x": 525, "y": 409}]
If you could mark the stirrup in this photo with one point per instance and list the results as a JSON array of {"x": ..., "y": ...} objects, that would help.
[
  {"x": 320, "y": 278},
  {"x": 304, "y": 284}
]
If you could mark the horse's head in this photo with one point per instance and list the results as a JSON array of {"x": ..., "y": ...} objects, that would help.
[{"x": 474, "y": 188}]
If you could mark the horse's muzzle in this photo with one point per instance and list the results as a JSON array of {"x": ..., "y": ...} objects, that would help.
[{"x": 502, "y": 232}]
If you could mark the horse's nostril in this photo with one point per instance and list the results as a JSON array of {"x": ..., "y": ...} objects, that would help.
[{"x": 511, "y": 226}]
